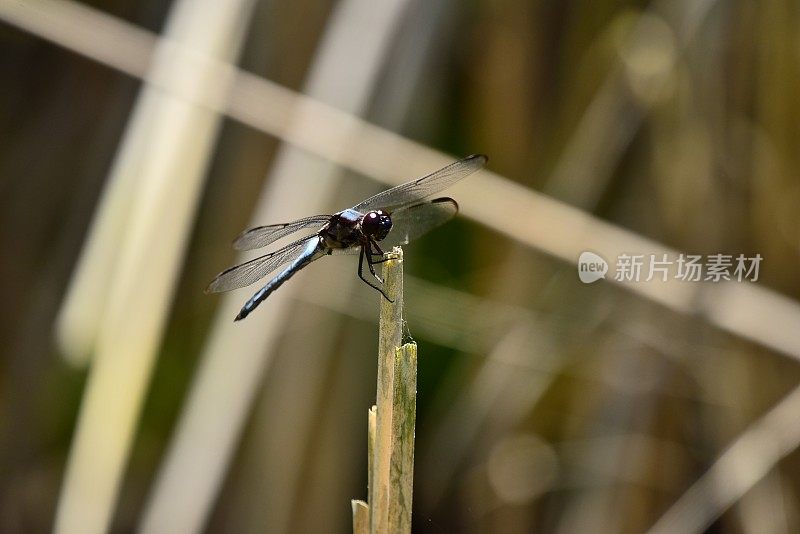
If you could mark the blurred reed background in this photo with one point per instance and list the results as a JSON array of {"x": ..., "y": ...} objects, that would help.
[{"x": 139, "y": 137}]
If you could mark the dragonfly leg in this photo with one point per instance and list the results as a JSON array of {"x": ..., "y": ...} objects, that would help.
[
  {"x": 371, "y": 262},
  {"x": 361, "y": 273},
  {"x": 378, "y": 252}
]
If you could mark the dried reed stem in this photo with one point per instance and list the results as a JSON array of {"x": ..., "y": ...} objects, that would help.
[{"x": 392, "y": 419}]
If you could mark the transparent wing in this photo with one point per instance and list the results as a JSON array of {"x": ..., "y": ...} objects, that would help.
[
  {"x": 412, "y": 222},
  {"x": 261, "y": 236},
  {"x": 246, "y": 273},
  {"x": 431, "y": 184}
]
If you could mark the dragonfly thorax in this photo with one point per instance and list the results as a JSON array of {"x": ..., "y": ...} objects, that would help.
[{"x": 376, "y": 224}]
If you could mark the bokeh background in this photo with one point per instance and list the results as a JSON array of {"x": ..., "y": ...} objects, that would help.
[{"x": 137, "y": 138}]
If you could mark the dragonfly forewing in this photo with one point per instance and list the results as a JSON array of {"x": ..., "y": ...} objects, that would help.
[
  {"x": 421, "y": 188},
  {"x": 261, "y": 236}
]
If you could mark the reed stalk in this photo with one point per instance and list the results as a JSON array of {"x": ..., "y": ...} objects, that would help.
[{"x": 391, "y": 421}]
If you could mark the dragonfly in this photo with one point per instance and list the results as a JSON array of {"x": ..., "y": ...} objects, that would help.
[{"x": 393, "y": 217}]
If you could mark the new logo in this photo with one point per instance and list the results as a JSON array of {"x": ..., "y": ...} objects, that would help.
[{"x": 591, "y": 267}]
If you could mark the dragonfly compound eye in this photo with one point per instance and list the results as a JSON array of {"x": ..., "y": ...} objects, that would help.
[{"x": 376, "y": 224}]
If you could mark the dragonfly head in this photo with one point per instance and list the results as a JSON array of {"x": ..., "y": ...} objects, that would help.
[{"x": 376, "y": 224}]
